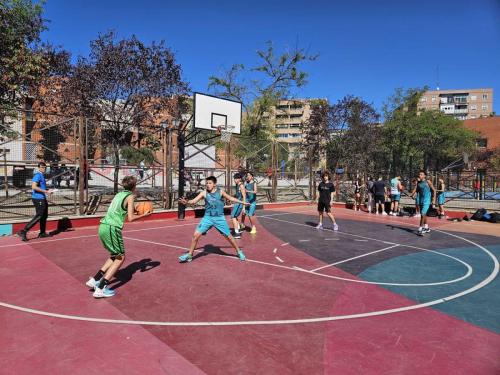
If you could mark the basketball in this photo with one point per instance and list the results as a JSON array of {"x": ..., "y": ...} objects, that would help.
[{"x": 143, "y": 207}]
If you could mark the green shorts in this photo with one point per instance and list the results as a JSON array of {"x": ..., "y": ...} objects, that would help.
[{"x": 112, "y": 240}]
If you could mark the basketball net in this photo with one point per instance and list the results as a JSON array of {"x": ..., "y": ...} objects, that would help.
[{"x": 225, "y": 133}]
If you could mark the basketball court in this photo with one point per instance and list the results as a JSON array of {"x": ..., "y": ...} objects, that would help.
[{"x": 372, "y": 298}]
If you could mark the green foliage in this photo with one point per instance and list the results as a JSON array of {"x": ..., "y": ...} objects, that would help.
[
  {"x": 411, "y": 140},
  {"x": 135, "y": 155},
  {"x": 259, "y": 89}
]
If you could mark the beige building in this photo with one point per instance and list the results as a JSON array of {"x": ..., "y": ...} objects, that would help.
[
  {"x": 289, "y": 115},
  {"x": 462, "y": 104}
]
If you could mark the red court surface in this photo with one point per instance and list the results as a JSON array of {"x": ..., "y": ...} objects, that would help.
[{"x": 299, "y": 305}]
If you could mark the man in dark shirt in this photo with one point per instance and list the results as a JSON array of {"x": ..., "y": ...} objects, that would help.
[
  {"x": 379, "y": 193},
  {"x": 326, "y": 190},
  {"x": 38, "y": 196}
]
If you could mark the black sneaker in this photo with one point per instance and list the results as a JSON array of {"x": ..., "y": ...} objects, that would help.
[
  {"x": 44, "y": 235},
  {"x": 22, "y": 235}
]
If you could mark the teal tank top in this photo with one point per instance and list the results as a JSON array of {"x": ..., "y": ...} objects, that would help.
[
  {"x": 251, "y": 197},
  {"x": 424, "y": 192},
  {"x": 238, "y": 194},
  {"x": 214, "y": 204}
]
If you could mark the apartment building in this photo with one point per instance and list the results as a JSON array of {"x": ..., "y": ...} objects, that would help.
[
  {"x": 462, "y": 104},
  {"x": 289, "y": 115}
]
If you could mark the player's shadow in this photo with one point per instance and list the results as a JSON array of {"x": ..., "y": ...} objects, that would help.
[
  {"x": 126, "y": 274},
  {"x": 409, "y": 230},
  {"x": 211, "y": 249},
  {"x": 311, "y": 224}
]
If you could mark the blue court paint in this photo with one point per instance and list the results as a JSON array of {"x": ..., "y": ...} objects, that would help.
[
  {"x": 5, "y": 229},
  {"x": 479, "y": 308}
]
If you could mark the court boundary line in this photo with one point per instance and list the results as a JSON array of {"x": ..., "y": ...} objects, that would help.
[{"x": 481, "y": 284}]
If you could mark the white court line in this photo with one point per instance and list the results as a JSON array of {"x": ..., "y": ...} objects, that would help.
[
  {"x": 275, "y": 250},
  {"x": 481, "y": 284},
  {"x": 359, "y": 256},
  {"x": 279, "y": 259},
  {"x": 284, "y": 244},
  {"x": 331, "y": 239},
  {"x": 304, "y": 240},
  {"x": 469, "y": 268},
  {"x": 360, "y": 240},
  {"x": 95, "y": 235}
]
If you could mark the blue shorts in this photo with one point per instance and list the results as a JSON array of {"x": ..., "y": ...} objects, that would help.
[
  {"x": 251, "y": 209},
  {"x": 236, "y": 211},
  {"x": 424, "y": 207},
  {"x": 395, "y": 197},
  {"x": 219, "y": 222},
  {"x": 441, "y": 198}
]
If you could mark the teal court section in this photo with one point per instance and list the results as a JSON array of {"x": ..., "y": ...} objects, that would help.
[
  {"x": 479, "y": 308},
  {"x": 5, "y": 229}
]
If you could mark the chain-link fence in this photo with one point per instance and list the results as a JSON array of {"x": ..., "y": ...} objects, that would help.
[{"x": 86, "y": 166}]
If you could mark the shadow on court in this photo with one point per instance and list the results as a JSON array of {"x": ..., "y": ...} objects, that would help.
[
  {"x": 406, "y": 229},
  {"x": 211, "y": 249},
  {"x": 126, "y": 274}
]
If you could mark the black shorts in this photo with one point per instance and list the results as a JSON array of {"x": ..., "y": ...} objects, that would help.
[
  {"x": 323, "y": 206},
  {"x": 379, "y": 199}
]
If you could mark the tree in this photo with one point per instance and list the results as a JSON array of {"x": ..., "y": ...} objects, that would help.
[
  {"x": 316, "y": 130},
  {"x": 24, "y": 60},
  {"x": 125, "y": 84},
  {"x": 413, "y": 139},
  {"x": 259, "y": 89},
  {"x": 354, "y": 135}
]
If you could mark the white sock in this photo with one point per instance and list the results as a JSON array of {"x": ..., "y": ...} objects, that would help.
[{"x": 420, "y": 229}]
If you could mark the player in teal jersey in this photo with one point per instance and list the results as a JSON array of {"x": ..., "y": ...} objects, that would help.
[
  {"x": 251, "y": 189},
  {"x": 110, "y": 234},
  {"x": 238, "y": 208},
  {"x": 214, "y": 217},
  {"x": 427, "y": 194}
]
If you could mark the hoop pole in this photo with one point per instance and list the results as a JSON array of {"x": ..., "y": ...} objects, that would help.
[{"x": 181, "y": 140}]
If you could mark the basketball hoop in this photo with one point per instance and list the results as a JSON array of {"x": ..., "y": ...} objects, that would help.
[{"x": 225, "y": 133}]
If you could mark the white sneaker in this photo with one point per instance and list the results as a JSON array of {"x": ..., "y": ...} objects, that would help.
[
  {"x": 319, "y": 226},
  {"x": 384, "y": 213},
  {"x": 103, "y": 293},
  {"x": 376, "y": 213},
  {"x": 91, "y": 283},
  {"x": 335, "y": 227}
]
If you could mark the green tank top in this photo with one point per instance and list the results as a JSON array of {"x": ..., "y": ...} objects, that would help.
[{"x": 116, "y": 214}]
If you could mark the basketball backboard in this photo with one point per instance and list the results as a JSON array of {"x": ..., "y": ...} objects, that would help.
[{"x": 211, "y": 112}]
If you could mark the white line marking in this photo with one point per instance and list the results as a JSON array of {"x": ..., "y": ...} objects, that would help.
[
  {"x": 469, "y": 268},
  {"x": 94, "y": 235},
  {"x": 281, "y": 260},
  {"x": 275, "y": 250},
  {"x": 359, "y": 256},
  {"x": 360, "y": 240},
  {"x": 481, "y": 284},
  {"x": 304, "y": 240},
  {"x": 285, "y": 244},
  {"x": 331, "y": 239}
]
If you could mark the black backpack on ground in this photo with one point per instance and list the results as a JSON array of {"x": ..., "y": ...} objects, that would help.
[{"x": 478, "y": 215}]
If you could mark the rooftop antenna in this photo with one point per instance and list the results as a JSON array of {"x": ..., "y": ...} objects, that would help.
[{"x": 437, "y": 77}]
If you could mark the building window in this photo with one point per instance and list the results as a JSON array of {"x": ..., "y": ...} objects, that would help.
[
  {"x": 424, "y": 99},
  {"x": 281, "y": 126},
  {"x": 294, "y": 135},
  {"x": 482, "y": 142},
  {"x": 472, "y": 117},
  {"x": 295, "y": 125},
  {"x": 433, "y": 98},
  {"x": 282, "y": 135},
  {"x": 484, "y": 107},
  {"x": 473, "y": 97},
  {"x": 485, "y": 96},
  {"x": 473, "y": 107}
]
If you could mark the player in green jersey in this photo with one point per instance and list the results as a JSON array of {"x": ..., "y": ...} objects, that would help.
[{"x": 110, "y": 234}]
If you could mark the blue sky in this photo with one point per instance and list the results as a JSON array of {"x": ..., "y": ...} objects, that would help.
[{"x": 366, "y": 48}]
